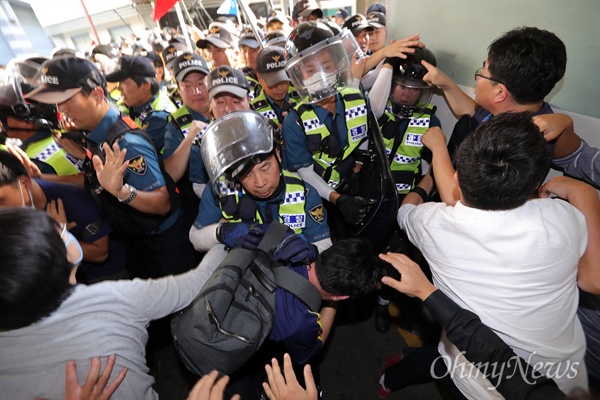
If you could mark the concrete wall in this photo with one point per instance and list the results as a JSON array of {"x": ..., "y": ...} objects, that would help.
[{"x": 459, "y": 33}]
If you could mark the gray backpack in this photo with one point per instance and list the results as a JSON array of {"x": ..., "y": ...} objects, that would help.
[{"x": 234, "y": 313}]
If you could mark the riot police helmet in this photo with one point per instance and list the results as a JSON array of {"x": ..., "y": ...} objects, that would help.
[
  {"x": 409, "y": 91},
  {"x": 234, "y": 143}
]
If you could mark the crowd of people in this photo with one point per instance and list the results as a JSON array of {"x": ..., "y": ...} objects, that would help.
[{"x": 155, "y": 163}]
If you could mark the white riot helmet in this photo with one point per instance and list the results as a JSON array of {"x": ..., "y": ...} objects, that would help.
[
  {"x": 317, "y": 63},
  {"x": 234, "y": 142}
]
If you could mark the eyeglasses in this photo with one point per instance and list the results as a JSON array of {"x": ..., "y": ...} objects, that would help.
[{"x": 479, "y": 75}]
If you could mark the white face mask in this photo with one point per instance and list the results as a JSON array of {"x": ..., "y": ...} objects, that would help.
[
  {"x": 23, "y": 197},
  {"x": 319, "y": 82}
]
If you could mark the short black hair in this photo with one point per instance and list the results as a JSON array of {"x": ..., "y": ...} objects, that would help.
[
  {"x": 529, "y": 61},
  {"x": 141, "y": 79},
  {"x": 503, "y": 162},
  {"x": 34, "y": 272},
  {"x": 345, "y": 269},
  {"x": 10, "y": 169}
]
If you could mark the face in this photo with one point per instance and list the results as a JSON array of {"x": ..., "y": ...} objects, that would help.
[
  {"x": 249, "y": 55},
  {"x": 484, "y": 88},
  {"x": 134, "y": 95},
  {"x": 321, "y": 62},
  {"x": 262, "y": 179},
  {"x": 405, "y": 95},
  {"x": 277, "y": 92},
  {"x": 274, "y": 26},
  {"x": 160, "y": 74},
  {"x": 218, "y": 56},
  {"x": 339, "y": 20},
  {"x": 194, "y": 92},
  {"x": 377, "y": 39},
  {"x": 363, "y": 40},
  {"x": 224, "y": 103},
  {"x": 13, "y": 195},
  {"x": 81, "y": 110}
]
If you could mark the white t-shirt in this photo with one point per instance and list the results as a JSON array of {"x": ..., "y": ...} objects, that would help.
[{"x": 516, "y": 269}]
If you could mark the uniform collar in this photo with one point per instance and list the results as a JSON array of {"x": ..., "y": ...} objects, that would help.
[{"x": 98, "y": 134}]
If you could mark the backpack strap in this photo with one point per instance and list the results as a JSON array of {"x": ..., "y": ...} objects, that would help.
[
  {"x": 286, "y": 278},
  {"x": 273, "y": 237},
  {"x": 298, "y": 286}
]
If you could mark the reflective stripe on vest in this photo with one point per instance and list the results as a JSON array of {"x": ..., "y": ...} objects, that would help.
[
  {"x": 356, "y": 122},
  {"x": 291, "y": 211},
  {"x": 405, "y": 163},
  {"x": 261, "y": 105},
  {"x": 182, "y": 119},
  {"x": 46, "y": 150}
]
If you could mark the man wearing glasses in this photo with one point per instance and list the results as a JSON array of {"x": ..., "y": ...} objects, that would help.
[{"x": 521, "y": 69}]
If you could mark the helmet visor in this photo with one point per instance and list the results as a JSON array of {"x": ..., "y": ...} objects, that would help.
[
  {"x": 319, "y": 71},
  {"x": 233, "y": 138},
  {"x": 410, "y": 93}
]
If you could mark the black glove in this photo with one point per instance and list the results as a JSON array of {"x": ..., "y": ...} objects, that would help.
[
  {"x": 232, "y": 234},
  {"x": 354, "y": 183},
  {"x": 255, "y": 234},
  {"x": 393, "y": 61},
  {"x": 295, "y": 249},
  {"x": 353, "y": 208}
]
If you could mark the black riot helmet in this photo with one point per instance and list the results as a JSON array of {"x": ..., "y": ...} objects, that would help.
[
  {"x": 305, "y": 35},
  {"x": 108, "y": 50},
  {"x": 14, "y": 103},
  {"x": 409, "y": 91}
]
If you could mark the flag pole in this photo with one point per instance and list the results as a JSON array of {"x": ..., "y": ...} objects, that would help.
[
  {"x": 251, "y": 18},
  {"x": 186, "y": 36}
]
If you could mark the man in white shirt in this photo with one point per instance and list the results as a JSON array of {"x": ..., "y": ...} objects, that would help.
[{"x": 514, "y": 260}]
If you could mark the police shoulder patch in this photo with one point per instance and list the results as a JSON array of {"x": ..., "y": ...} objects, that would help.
[
  {"x": 138, "y": 165},
  {"x": 317, "y": 214}
]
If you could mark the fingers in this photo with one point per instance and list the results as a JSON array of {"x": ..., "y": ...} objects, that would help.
[
  {"x": 93, "y": 374},
  {"x": 309, "y": 382},
  {"x": 98, "y": 164},
  {"x": 110, "y": 389},
  {"x": 71, "y": 376},
  {"x": 107, "y": 371},
  {"x": 288, "y": 370}
]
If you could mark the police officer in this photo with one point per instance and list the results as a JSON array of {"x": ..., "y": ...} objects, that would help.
[
  {"x": 127, "y": 179},
  {"x": 148, "y": 106},
  {"x": 191, "y": 71},
  {"x": 323, "y": 134},
  {"x": 277, "y": 96},
  {"x": 31, "y": 123},
  {"x": 106, "y": 57},
  {"x": 243, "y": 161},
  {"x": 249, "y": 45},
  {"x": 411, "y": 115}
]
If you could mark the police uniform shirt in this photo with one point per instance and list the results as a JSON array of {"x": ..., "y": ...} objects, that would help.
[
  {"x": 155, "y": 123},
  {"x": 316, "y": 228},
  {"x": 174, "y": 137},
  {"x": 143, "y": 171},
  {"x": 278, "y": 110},
  {"x": 295, "y": 153},
  {"x": 81, "y": 209}
]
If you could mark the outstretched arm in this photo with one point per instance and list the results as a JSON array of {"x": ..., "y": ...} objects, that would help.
[
  {"x": 441, "y": 164},
  {"x": 585, "y": 199},
  {"x": 398, "y": 48},
  {"x": 460, "y": 103}
]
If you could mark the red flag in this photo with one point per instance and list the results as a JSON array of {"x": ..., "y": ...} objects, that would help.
[{"x": 161, "y": 8}]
